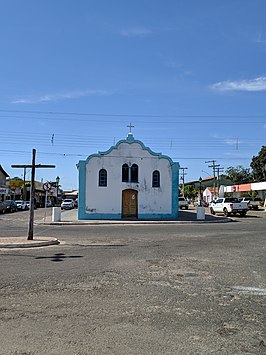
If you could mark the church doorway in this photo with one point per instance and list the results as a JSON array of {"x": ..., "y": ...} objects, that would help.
[{"x": 129, "y": 203}]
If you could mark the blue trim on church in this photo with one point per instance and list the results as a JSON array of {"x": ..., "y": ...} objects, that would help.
[{"x": 82, "y": 215}]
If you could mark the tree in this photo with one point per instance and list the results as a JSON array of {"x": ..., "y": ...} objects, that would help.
[
  {"x": 190, "y": 191},
  {"x": 258, "y": 164},
  {"x": 239, "y": 174},
  {"x": 15, "y": 182}
]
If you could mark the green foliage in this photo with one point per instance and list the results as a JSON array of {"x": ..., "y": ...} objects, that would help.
[
  {"x": 239, "y": 174},
  {"x": 15, "y": 182},
  {"x": 190, "y": 191},
  {"x": 258, "y": 164}
]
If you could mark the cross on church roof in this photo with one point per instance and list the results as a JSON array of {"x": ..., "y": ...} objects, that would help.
[{"x": 130, "y": 126}]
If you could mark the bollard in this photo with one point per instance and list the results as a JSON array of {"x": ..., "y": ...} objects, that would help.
[
  {"x": 56, "y": 214},
  {"x": 200, "y": 212}
]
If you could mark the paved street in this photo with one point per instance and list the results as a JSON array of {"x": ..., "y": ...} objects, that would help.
[{"x": 135, "y": 289}]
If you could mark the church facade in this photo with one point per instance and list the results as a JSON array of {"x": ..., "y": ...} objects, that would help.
[{"x": 128, "y": 181}]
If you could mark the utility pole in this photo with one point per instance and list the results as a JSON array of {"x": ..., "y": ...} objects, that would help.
[
  {"x": 183, "y": 179},
  {"x": 24, "y": 184},
  {"x": 218, "y": 177},
  {"x": 33, "y": 166},
  {"x": 213, "y": 166}
]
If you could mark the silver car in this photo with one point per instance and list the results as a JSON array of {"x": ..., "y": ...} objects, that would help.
[
  {"x": 67, "y": 204},
  {"x": 183, "y": 203},
  {"x": 22, "y": 205}
]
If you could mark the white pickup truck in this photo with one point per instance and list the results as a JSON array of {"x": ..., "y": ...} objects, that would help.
[
  {"x": 228, "y": 206},
  {"x": 252, "y": 204}
]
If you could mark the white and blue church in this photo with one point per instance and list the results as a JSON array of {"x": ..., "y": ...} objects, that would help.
[{"x": 128, "y": 181}]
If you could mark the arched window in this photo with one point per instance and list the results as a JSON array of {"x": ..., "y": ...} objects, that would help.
[
  {"x": 134, "y": 173},
  {"x": 156, "y": 178},
  {"x": 102, "y": 177},
  {"x": 125, "y": 173}
]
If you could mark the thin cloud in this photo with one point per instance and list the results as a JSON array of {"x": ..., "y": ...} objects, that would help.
[
  {"x": 135, "y": 32},
  {"x": 257, "y": 84},
  {"x": 59, "y": 96},
  {"x": 171, "y": 63},
  {"x": 260, "y": 39}
]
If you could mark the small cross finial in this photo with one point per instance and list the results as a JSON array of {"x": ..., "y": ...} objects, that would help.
[{"x": 130, "y": 126}]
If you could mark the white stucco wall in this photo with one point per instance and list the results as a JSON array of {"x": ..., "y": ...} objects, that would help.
[{"x": 109, "y": 199}]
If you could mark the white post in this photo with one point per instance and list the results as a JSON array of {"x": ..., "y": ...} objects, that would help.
[
  {"x": 56, "y": 214},
  {"x": 200, "y": 212},
  {"x": 46, "y": 194}
]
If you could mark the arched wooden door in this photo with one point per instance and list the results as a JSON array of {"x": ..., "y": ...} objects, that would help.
[{"x": 129, "y": 203}]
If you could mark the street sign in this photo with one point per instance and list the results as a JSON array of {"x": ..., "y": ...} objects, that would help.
[{"x": 47, "y": 186}]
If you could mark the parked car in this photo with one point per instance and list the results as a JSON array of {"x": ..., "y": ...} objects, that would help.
[
  {"x": 28, "y": 204},
  {"x": 11, "y": 206},
  {"x": 228, "y": 205},
  {"x": 2, "y": 207},
  {"x": 183, "y": 203},
  {"x": 200, "y": 203},
  {"x": 76, "y": 203},
  {"x": 67, "y": 204},
  {"x": 21, "y": 205},
  {"x": 252, "y": 204}
]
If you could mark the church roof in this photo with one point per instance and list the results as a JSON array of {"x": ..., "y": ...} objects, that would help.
[{"x": 129, "y": 140}]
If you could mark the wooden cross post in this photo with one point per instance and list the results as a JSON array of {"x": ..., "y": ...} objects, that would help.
[{"x": 33, "y": 166}]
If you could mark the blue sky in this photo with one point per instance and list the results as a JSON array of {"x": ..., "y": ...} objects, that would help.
[{"x": 189, "y": 75}]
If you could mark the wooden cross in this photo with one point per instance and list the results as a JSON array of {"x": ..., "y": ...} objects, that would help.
[
  {"x": 130, "y": 126},
  {"x": 33, "y": 166}
]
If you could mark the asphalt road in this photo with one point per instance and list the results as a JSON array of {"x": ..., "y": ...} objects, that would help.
[{"x": 135, "y": 289}]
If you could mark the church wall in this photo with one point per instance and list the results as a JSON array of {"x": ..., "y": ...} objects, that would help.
[{"x": 106, "y": 202}]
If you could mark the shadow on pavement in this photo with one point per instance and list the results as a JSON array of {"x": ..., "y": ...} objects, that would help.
[{"x": 58, "y": 257}]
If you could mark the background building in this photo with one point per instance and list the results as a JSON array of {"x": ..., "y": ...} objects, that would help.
[{"x": 4, "y": 190}]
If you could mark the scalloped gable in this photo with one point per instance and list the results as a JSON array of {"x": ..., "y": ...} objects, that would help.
[{"x": 129, "y": 140}]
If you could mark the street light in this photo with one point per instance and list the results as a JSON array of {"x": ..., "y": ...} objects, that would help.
[
  {"x": 57, "y": 180},
  {"x": 200, "y": 181}
]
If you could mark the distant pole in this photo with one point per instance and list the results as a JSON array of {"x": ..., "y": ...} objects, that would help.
[
  {"x": 24, "y": 184},
  {"x": 218, "y": 178},
  {"x": 46, "y": 195},
  {"x": 183, "y": 179},
  {"x": 213, "y": 166},
  {"x": 200, "y": 181},
  {"x": 32, "y": 195}
]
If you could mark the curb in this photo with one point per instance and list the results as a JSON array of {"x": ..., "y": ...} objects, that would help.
[
  {"x": 22, "y": 242},
  {"x": 97, "y": 223}
]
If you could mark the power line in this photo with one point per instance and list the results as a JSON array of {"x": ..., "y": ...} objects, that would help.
[
  {"x": 130, "y": 115},
  {"x": 229, "y": 141},
  {"x": 21, "y": 152},
  {"x": 90, "y": 114},
  {"x": 112, "y": 122}
]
